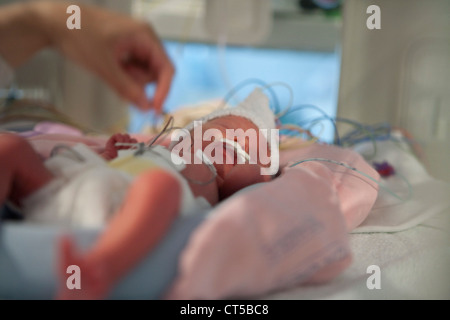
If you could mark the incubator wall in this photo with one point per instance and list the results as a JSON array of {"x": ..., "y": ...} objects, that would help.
[{"x": 400, "y": 73}]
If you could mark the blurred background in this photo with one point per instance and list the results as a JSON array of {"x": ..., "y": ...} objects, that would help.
[
  {"x": 219, "y": 46},
  {"x": 316, "y": 55},
  {"x": 216, "y": 46}
]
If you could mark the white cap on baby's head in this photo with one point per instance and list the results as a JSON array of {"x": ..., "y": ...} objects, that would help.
[{"x": 254, "y": 108}]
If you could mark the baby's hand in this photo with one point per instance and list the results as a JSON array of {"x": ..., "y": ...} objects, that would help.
[{"x": 111, "y": 148}]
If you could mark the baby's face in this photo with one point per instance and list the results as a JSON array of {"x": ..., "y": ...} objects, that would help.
[{"x": 231, "y": 174}]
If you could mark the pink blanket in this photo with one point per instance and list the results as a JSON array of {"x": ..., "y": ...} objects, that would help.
[{"x": 290, "y": 231}]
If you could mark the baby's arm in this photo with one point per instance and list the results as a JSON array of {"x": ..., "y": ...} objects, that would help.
[
  {"x": 111, "y": 148},
  {"x": 150, "y": 207}
]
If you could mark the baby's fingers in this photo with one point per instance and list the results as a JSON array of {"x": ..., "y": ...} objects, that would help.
[
  {"x": 123, "y": 140},
  {"x": 127, "y": 138}
]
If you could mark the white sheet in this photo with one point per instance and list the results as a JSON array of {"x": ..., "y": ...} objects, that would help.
[
  {"x": 414, "y": 264},
  {"x": 421, "y": 196},
  {"x": 408, "y": 240}
]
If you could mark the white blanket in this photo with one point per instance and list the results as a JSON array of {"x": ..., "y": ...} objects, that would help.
[
  {"x": 421, "y": 196},
  {"x": 413, "y": 264},
  {"x": 407, "y": 240}
]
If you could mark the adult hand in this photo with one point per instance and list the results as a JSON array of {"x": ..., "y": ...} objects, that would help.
[{"x": 124, "y": 52}]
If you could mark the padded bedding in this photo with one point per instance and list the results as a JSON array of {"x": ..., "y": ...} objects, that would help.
[{"x": 285, "y": 239}]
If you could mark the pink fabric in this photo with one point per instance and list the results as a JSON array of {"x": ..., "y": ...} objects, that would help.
[
  {"x": 269, "y": 238},
  {"x": 288, "y": 232},
  {"x": 356, "y": 193},
  {"x": 46, "y": 136},
  {"x": 44, "y": 143},
  {"x": 48, "y": 127}
]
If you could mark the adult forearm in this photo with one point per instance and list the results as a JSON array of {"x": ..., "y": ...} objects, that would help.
[{"x": 22, "y": 32}]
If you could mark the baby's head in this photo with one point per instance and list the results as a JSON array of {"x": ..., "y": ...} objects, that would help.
[{"x": 239, "y": 142}]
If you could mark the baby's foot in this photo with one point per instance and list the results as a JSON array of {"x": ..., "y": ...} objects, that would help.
[{"x": 80, "y": 279}]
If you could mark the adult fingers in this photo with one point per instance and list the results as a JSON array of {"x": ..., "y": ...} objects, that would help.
[
  {"x": 126, "y": 86},
  {"x": 163, "y": 83},
  {"x": 161, "y": 67}
]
